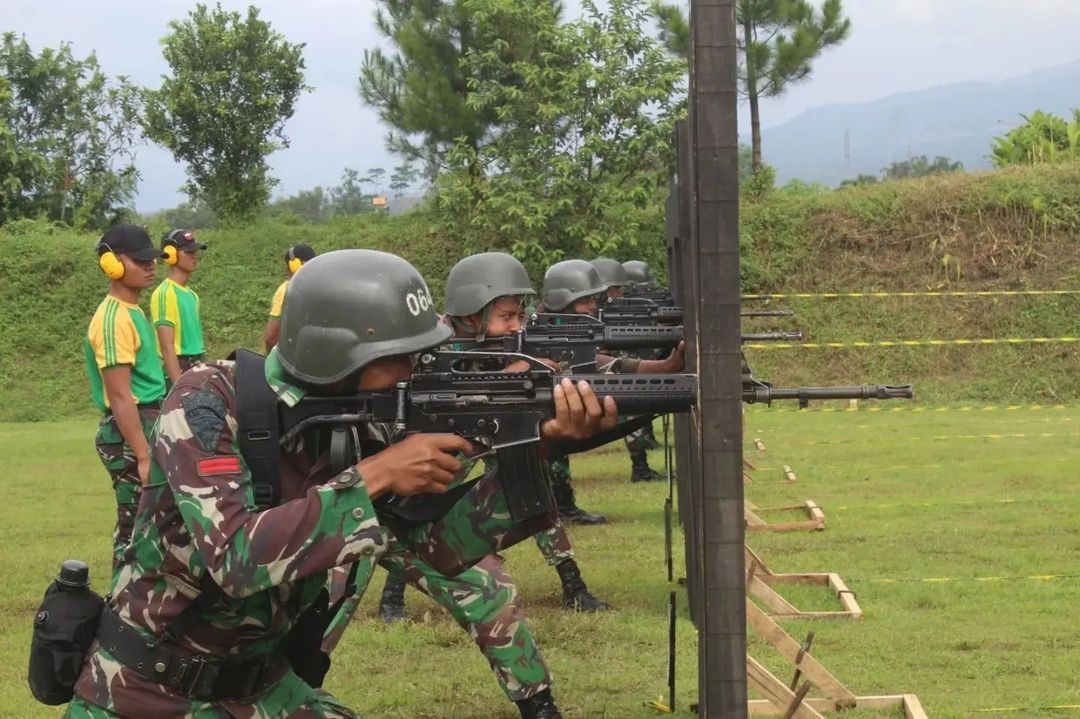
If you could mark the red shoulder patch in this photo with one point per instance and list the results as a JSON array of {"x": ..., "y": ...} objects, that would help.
[{"x": 218, "y": 465}]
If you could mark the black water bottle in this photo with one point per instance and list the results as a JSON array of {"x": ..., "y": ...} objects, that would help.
[
  {"x": 74, "y": 576},
  {"x": 64, "y": 628}
]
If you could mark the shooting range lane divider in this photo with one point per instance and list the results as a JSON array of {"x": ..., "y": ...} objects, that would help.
[
  {"x": 913, "y": 343},
  {"x": 938, "y": 438},
  {"x": 946, "y": 580},
  {"x": 1049, "y": 707},
  {"x": 878, "y": 295},
  {"x": 878, "y": 468}
]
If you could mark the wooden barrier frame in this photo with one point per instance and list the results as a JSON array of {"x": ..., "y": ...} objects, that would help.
[
  {"x": 760, "y": 580},
  {"x": 791, "y": 702},
  {"x": 815, "y": 521}
]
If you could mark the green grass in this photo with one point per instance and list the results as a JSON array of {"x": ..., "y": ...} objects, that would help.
[{"x": 975, "y": 505}]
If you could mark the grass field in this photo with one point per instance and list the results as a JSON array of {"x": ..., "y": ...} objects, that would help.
[{"x": 907, "y": 496}]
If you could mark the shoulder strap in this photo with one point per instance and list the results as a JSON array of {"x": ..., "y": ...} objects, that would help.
[{"x": 258, "y": 433}]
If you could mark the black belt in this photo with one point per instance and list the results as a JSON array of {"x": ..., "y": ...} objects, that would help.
[
  {"x": 200, "y": 676},
  {"x": 156, "y": 404}
]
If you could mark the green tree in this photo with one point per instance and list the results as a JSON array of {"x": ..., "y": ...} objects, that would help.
[
  {"x": 403, "y": 177},
  {"x": 583, "y": 151},
  {"x": 920, "y": 166},
  {"x": 349, "y": 197},
  {"x": 234, "y": 83},
  {"x": 67, "y": 135},
  {"x": 374, "y": 178},
  {"x": 860, "y": 181},
  {"x": 778, "y": 43},
  {"x": 312, "y": 206},
  {"x": 419, "y": 89},
  {"x": 1043, "y": 138}
]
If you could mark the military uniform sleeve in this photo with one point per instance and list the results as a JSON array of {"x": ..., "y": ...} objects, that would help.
[
  {"x": 617, "y": 365},
  {"x": 278, "y": 300},
  {"x": 164, "y": 309},
  {"x": 245, "y": 551},
  {"x": 117, "y": 342}
]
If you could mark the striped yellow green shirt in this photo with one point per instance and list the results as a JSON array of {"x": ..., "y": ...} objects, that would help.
[
  {"x": 177, "y": 306},
  {"x": 278, "y": 300},
  {"x": 119, "y": 334}
]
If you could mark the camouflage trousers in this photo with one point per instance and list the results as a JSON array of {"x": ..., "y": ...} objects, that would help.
[
  {"x": 554, "y": 544},
  {"x": 289, "y": 697},
  {"x": 123, "y": 469},
  {"x": 484, "y": 602}
]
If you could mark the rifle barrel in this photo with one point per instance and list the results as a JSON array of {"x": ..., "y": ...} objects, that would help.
[{"x": 763, "y": 393}]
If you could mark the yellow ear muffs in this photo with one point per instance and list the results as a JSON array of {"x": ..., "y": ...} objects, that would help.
[
  {"x": 171, "y": 256},
  {"x": 111, "y": 265},
  {"x": 295, "y": 263}
]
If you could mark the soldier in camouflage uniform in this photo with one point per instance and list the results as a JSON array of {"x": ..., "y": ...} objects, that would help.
[
  {"x": 640, "y": 274},
  {"x": 615, "y": 276},
  {"x": 485, "y": 294},
  {"x": 577, "y": 287},
  {"x": 210, "y": 587}
]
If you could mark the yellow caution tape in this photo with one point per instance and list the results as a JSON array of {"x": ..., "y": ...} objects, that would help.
[
  {"x": 911, "y": 343},
  {"x": 659, "y": 705},
  {"x": 958, "y": 293}
]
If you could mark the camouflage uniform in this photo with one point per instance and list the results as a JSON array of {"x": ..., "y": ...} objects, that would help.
[
  {"x": 197, "y": 518},
  {"x": 123, "y": 468}
]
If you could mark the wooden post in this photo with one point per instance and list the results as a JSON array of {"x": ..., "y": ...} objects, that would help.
[{"x": 716, "y": 356}]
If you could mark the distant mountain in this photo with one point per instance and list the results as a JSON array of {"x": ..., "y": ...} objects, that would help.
[{"x": 958, "y": 121}]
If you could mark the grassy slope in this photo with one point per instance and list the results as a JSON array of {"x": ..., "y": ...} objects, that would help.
[
  {"x": 1009, "y": 230},
  {"x": 897, "y": 507}
]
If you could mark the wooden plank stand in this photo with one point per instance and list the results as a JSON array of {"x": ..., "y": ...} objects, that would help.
[
  {"x": 814, "y": 522},
  {"x": 791, "y": 701},
  {"x": 760, "y": 580}
]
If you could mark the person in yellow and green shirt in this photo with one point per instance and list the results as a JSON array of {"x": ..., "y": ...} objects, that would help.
[
  {"x": 126, "y": 380},
  {"x": 174, "y": 307},
  {"x": 295, "y": 257}
]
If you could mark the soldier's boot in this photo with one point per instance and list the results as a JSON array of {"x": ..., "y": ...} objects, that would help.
[
  {"x": 641, "y": 471},
  {"x": 650, "y": 437},
  {"x": 575, "y": 595},
  {"x": 540, "y": 706},
  {"x": 392, "y": 602},
  {"x": 568, "y": 509}
]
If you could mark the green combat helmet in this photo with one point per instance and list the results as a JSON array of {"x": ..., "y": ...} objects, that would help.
[
  {"x": 639, "y": 273},
  {"x": 568, "y": 281},
  {"x": 351, "y": 307},
  {"x": 611, "y": 271},
  {"x": 476, "y": 281}
]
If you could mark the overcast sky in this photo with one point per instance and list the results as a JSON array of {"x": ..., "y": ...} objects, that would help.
[{"x": 895, "y": 46}]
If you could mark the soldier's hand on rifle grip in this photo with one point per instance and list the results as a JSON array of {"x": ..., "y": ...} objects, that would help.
[
  {"x": 579, "y": 414},
  {"x": 419, "y": 464},
  {"x": 675, "y": 362}
]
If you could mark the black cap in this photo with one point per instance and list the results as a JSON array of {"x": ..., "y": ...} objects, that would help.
[
  {"x": 130, "y": 240},
  {"x": 183, "y": 240},
  {"x": 304, "y": 253}
]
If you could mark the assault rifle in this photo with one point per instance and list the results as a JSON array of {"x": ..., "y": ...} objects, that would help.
[
  {"x": 497, "y": 410},
  {"x": 644, "y": 336},
  {"x": 793, "y": 336},
  {"x": 659, "y": 295},
  {"x": 638, "y": 311},
  {"x": 768, "y": 313},
  {"x": 573, "y": 340},
  {"x": 756, "y": 391}
]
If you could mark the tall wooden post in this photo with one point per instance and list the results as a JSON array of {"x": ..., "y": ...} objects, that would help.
[{"x": 714, "y": 234}]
